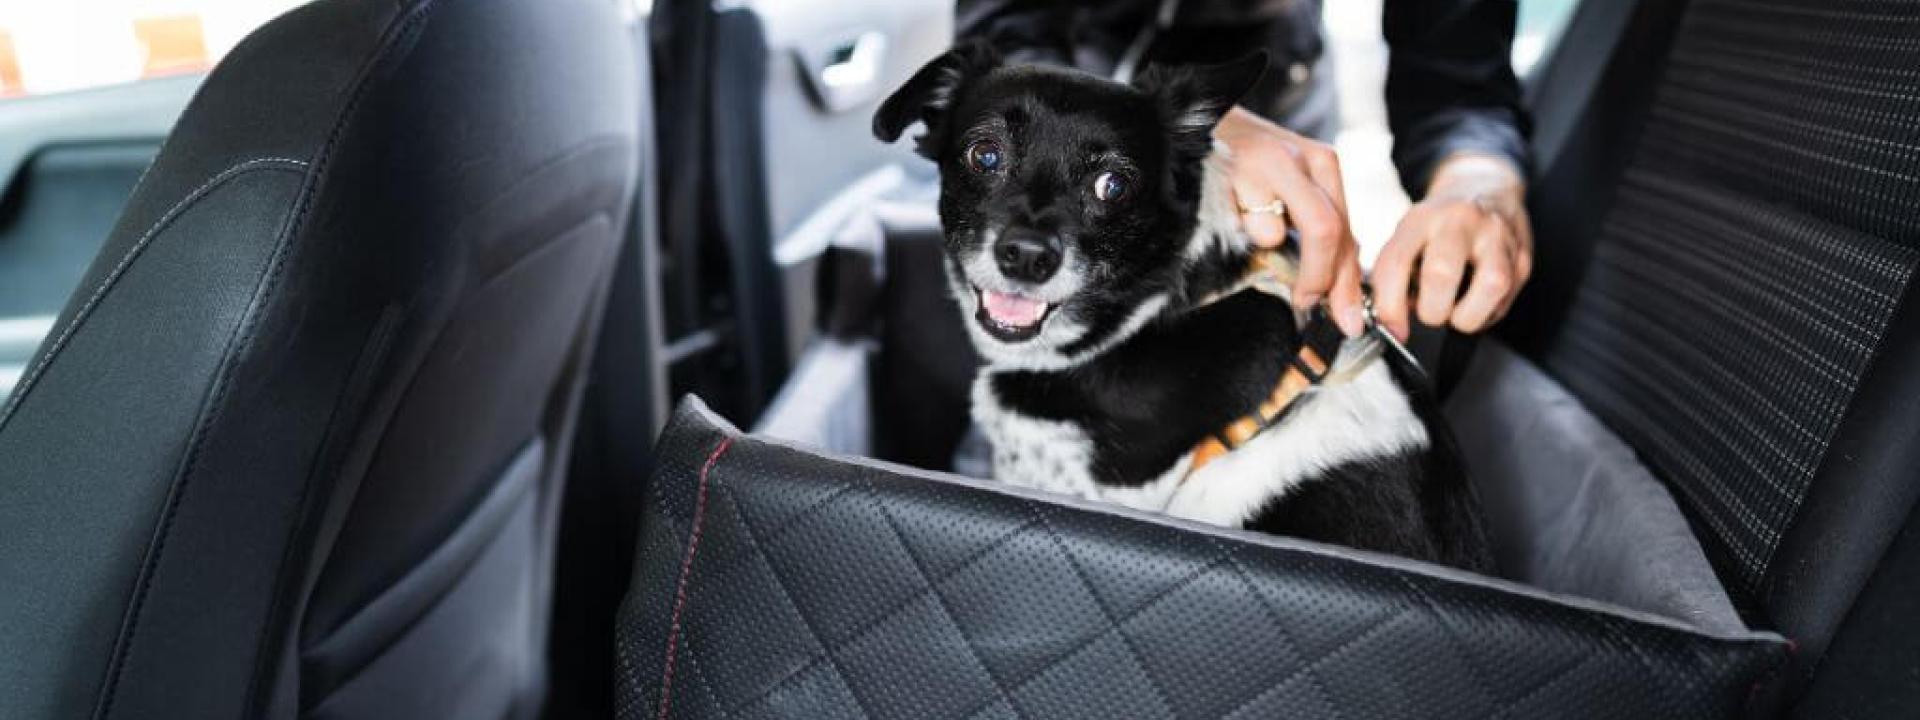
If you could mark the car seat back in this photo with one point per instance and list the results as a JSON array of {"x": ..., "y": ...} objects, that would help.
[
  {"x": 294, "y": 446},
  {"x": 1741, "y": 309}
]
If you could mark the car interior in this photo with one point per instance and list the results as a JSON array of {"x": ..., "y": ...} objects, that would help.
[{"x": 590, "y": 358}]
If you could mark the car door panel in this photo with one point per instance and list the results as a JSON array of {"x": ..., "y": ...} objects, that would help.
[
  {"x": 68, "y": 162},
  {"x": 768, "y": 148},
  {"x": 830, "y": 65}
]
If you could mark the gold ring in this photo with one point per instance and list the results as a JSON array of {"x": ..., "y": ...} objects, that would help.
[{"x": 1275, "y": 208}]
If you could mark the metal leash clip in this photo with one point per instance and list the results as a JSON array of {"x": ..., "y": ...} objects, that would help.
[{"x": 1386, "y": 336}]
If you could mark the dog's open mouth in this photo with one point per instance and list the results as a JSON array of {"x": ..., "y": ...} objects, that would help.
[{"x": 1011, "y": 317}]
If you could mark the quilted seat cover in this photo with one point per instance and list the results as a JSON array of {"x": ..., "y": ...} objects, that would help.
[{"x": 772, "y": 582}]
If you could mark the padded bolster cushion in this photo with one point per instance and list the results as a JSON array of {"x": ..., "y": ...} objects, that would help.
[
  {"x": 775, "y": 582},
  {"x": 824, "y": 402},
  {"x": 1569, "y": 505}
]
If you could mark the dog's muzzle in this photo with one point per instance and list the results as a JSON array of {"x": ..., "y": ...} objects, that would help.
[{"x": 1027, "y": 256}]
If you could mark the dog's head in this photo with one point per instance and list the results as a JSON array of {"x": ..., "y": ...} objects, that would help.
[{"x": 1069, "y": 202}]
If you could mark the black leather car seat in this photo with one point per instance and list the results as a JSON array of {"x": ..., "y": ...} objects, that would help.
[
  {"x": 296, "y": 443},
  {"x": 1728, "y": 240}
]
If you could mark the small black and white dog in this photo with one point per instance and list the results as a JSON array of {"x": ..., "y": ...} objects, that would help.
[{"x": 1094, "y": 246}]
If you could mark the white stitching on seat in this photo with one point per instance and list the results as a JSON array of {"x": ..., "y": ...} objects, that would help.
[{"x": 86, "y": 309}]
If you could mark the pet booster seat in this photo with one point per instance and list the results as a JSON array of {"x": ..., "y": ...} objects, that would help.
[{"x": 1692, "y": 442}]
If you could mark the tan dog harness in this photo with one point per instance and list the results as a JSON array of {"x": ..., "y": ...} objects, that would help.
[{"x": 1320, "y": 339}]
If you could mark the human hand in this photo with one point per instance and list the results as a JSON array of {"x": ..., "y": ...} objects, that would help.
[
  {"x": 1270, "y": 163},
  {"x": 1474, "y": 218}
]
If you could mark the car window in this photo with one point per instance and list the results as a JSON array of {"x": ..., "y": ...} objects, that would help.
[
  {"x": 48, "y": 47},
  {"x": 88, "y": 91},
  {"x": 1539, "y": 28}
]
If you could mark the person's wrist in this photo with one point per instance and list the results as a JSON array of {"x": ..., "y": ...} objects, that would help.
[{"x": 1490, "y": 181}]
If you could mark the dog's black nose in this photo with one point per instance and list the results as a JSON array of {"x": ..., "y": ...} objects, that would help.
[{"x": 1027, "y": 257}]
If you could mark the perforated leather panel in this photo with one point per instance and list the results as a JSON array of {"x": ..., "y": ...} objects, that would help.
[
  {"x": 775, "y": 583},
  {"x": 1763, "y": 236}
]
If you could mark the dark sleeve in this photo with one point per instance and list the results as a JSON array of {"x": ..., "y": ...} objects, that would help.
[
  {"x": 1093, "y": 35},
  {"x": 1450, "y": 84},
  {"x": 1037, "y": 31}
]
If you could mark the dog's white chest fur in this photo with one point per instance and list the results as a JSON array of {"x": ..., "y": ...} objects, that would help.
[
  {"x": 1055, "y": 456},
  {"x": 1046, "y": 454},
  {"x": 1364, "y": 417}
]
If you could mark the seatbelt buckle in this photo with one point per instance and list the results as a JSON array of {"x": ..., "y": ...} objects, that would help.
[{"x": 1376, "y": 329}]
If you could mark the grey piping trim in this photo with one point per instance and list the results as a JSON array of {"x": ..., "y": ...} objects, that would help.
[{"x": 86, "y": 309}]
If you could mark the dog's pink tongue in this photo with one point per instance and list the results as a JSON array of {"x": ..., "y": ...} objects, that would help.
[{"x": 1013, "y": 310}]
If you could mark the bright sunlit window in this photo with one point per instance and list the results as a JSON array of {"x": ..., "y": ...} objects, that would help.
[
  {"x": 1540, "y": 25},
  {"x": 49, "y": 46}
]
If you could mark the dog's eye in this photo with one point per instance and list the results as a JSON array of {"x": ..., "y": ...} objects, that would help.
[
  {"x": 985, "y": 156},
  {"x": 1111, "y": 187}
]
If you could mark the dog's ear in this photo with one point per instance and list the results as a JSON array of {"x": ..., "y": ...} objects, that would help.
[
  {"x": 1193, "y": 98},
  {"x": 929, "y": 94}
]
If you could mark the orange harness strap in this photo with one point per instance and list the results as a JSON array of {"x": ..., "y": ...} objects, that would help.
[
  {"x": 1305, "y": 372},
  {"x": 1320, "y": 341}
]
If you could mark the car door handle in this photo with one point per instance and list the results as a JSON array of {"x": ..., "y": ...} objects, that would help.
[{"x": 846, "y": 73}]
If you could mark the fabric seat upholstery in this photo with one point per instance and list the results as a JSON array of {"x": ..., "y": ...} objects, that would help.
[
  {"x": 1744, "y": 315},
  {"x": 295, "y": 444}
]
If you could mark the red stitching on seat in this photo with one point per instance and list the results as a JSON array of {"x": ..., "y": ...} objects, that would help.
[{"x": 686, "y": 567}]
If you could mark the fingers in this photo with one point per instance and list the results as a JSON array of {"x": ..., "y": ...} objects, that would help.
[
  {"x": 1270, "y": 163},
  {"x": 1348, "y": 300},
  {"x": 1442, "y": 266},
  {"x": 1473, "y": 222},
  {"x": 1522, "y": 253},
  {"x": 1322, "y": 227},
  {"x": 1522, "y": 228},
  {"x": 1439, "y": 244},
  {"x": 1493, "y": 280},
  {"x": 1393, "y": 274},
  {"x": 1323, "y": 165},
  {"x": 1250, "y": 190}
]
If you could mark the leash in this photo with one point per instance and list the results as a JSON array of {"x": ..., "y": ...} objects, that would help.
[
  {"x": 1386, "y": 337},
  {"x": 1320, "y": 343}
]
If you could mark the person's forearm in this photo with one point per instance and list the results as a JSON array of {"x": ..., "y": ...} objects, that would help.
[{"x": 1450, "y": 86}]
